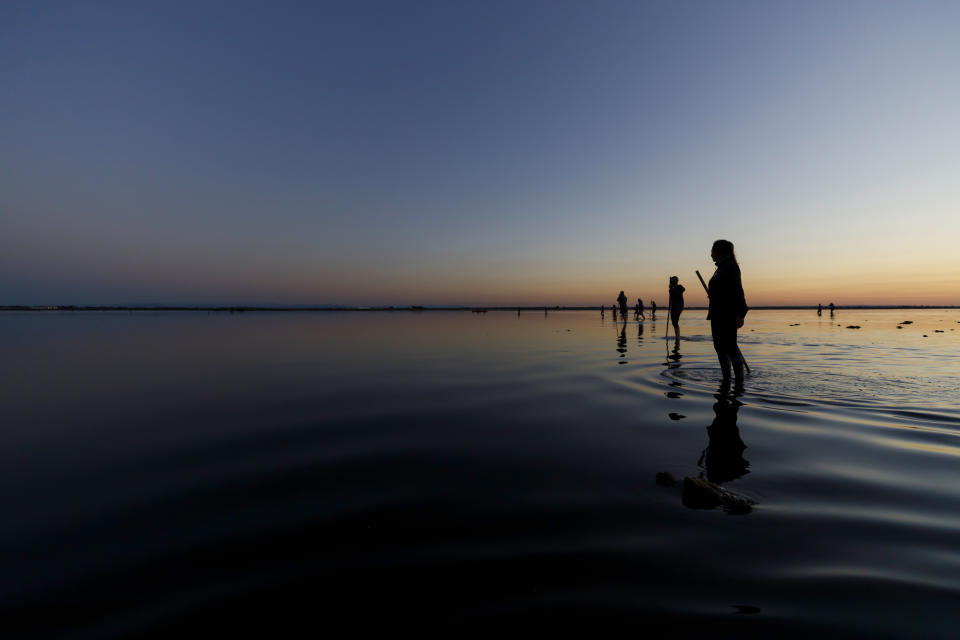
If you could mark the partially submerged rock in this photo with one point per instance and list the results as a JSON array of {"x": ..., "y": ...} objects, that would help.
[
  {"x": 699, "y": 493},
  {"x": 853, "y": 326},
  {"x": 666, "y": 479}
]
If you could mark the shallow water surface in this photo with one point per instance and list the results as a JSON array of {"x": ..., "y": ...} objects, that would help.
[{"x": 447, "y": 471}]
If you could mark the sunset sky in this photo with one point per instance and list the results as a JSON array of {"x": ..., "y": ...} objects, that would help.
[{"x": 489, "y": 153}]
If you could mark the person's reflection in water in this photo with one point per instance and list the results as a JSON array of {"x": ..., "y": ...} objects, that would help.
[
  {"x": 723, "y": 459},
  {"x": 639, "y": 332},
  {"x": 622, "y": 343},
  {"x": 675, "y": 354}
]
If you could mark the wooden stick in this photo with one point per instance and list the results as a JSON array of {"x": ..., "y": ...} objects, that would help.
[
  {"x": 666, "y": 334},
  {"x": 704, "y": 284}
]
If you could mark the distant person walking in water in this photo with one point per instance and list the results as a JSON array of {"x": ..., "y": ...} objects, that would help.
[
  {"x": 676, "y": 304},
  {"x": 819, "y": 309},
  {"x": 640, "y": 315},
  {"x": 727, "y": 308},
  {"x": 622, "y": 301},
  {"x": 831, "y": 309}
]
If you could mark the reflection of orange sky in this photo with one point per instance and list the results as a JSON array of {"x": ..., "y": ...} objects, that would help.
[{"x": 847, "y": 287}]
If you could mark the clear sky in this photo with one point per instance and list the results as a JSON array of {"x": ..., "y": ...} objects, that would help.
[{"x": 477, "y": 152}]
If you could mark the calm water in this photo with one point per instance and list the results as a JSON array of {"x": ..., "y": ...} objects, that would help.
[{"x": 445, "y": 472}]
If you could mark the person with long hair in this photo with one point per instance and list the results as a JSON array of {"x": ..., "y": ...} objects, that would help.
[
  {"x": 728, "y": 307},
  {"x": 676, "y": 304}
]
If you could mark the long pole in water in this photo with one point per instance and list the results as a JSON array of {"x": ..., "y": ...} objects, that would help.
[
  {"x": 666, "y": 333},
  {"x": 738, "y": 346}
]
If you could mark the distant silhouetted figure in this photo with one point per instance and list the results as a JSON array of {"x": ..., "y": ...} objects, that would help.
[
  {"x": 727, "y": 308},
  {"x": 601, "y": 311},
  {"x": 544, "y": 311},
  {"x": 640, "y": 315},
  {"x": 831, "y": 309},
  {"x": 653, "y": 309},
  {"x": 622, "y": 301},
  {"x": 676, "y": 304},
  {"x": 819, "y": 309}
]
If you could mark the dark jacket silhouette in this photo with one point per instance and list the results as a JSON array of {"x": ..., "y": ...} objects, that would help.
[
  {"x": 676, "y": 296},
  {"x": 727, "y": 301}
]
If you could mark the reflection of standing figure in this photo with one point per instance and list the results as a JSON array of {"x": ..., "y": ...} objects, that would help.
[
  {"x": 622, "y": 343},
  {"x": 723, "y": 459},
  {"x": 676, "y": 304},
  {"x": 727, "y": 308}
]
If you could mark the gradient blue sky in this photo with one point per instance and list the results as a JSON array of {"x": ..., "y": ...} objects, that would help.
[{"x": 477, "y": 152}]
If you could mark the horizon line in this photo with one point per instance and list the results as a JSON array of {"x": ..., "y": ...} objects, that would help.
[{"x": 333, "y": 307}]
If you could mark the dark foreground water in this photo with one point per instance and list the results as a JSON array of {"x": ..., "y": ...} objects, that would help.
[{"x": 444, "y": 473}]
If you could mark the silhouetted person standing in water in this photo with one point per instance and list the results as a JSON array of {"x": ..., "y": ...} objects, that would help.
[
  {"x": 831, "y": 309},
  {"x": 676, "y": 304},
  {"x": 727, "y": 308},
  {"x": 622, "y": 301},
  {"x": 819, "y": 309},
  {"x": 653, "y": 309},
  {"x": 640, "y": 315}
]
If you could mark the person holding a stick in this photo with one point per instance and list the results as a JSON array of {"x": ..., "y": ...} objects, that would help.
[
  {"x": 727, "y": 308},
  {"x": 676, "y": 305}
]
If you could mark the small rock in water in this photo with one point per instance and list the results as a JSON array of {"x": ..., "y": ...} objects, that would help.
[
  {"x": 938, "y": 330},
  {"x": 925, "y": 336},
  {"x": 899, "y": 327},
  {"x": 666, "y": 479},
  {"x": 703, "y": 494},
  {"x": 795, "y": 324},
  {"x": 852, "y": 326},
  {"x": 745, "y": 609},
  {"x": 676, "y": 416},
  {"x": 907, "y": 322}
]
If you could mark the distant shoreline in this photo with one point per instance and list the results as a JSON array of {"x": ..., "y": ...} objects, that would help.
[{"x": 412, "y": 308}]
